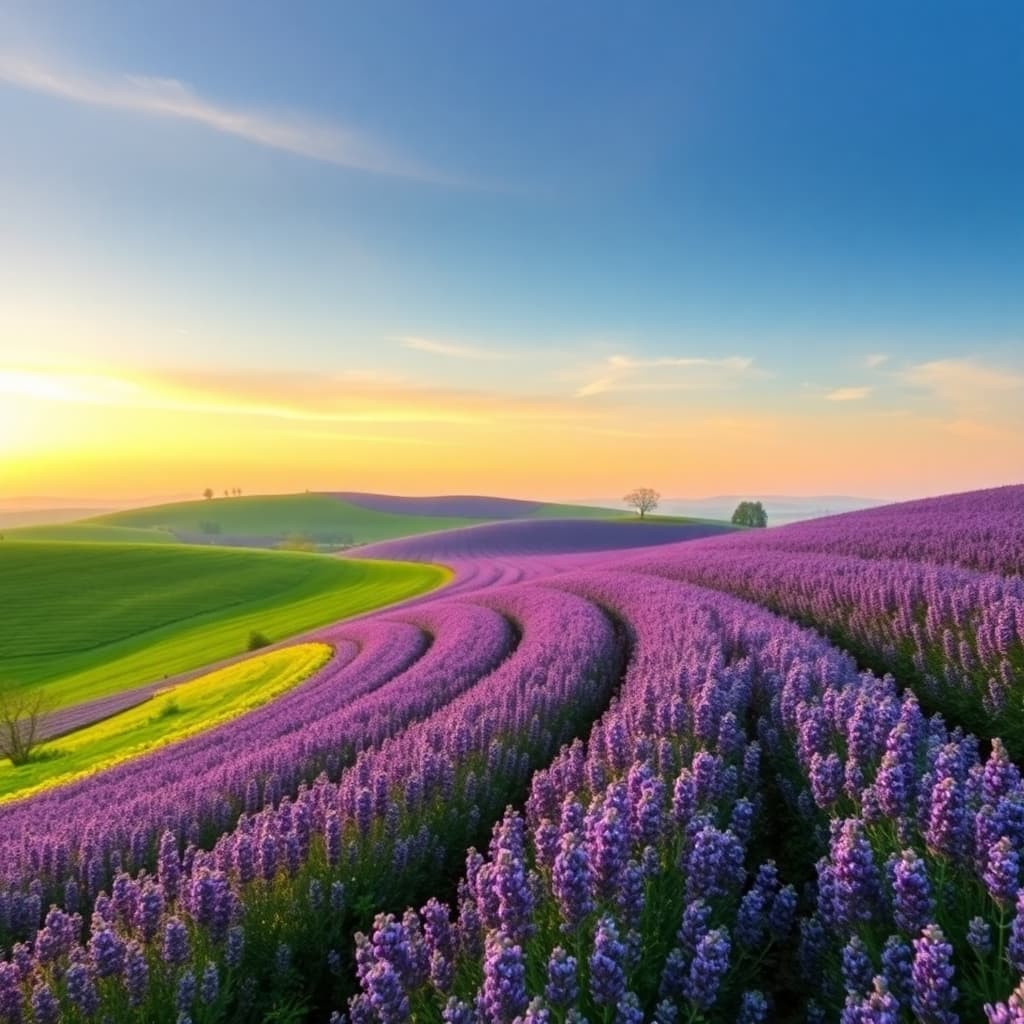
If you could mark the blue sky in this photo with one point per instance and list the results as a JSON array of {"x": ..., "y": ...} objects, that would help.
[{"x": 735, "y": 207}]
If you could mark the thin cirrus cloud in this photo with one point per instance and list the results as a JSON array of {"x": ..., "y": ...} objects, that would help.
[
  {"x": 449, "y": 349},
  {"x": 963, "y": 379},
  {"x": 619, "y": 372},
  {"x": 875, "y": 360},
  {"x": 314, "y": 139},
  {"x": 848, "y": 394},
  {"x": 312, "y": 399}
]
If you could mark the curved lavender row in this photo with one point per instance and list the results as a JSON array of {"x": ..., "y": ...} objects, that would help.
[
  {"x": 393, "y": 816},
  {"x": 83, "y": 833},
  {"x": 957, "y": 634},
  {"x": 642, "y": 884},
  {"x": 649, "y": 829},
  {"x": 536, "y": 537},
  {"x": 981, "y": 530},
  {"x": 469, "y": 506}
]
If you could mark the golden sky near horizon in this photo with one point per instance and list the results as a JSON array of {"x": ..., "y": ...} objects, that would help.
[{"x": 99, "y": 434}]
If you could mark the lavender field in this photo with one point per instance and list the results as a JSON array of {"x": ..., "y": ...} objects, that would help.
[{"x": 608, "y": 775}]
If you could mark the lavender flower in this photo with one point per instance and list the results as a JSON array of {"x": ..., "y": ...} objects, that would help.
[
  {"x": 169, "y": 865},
  {"x": 572, "y": 879},
  {"x": 1015, "y": 946},
  {"x": 561, "y": 990},
  {"x": 45, "y": 1008},
  {"x": 385, "y": 995},
  {"x": 856, "y": 877},
  {"x": 81, "y": 990},
  {"x": 504, "y": 990},
  {"x": 607, "y": 974},
  {"x": 858, "y": 970},
  {"x": 710, "y": 963},
  {"x": 186, "y": 993},
  {"x": 913, "y": 907},
  {"x": 934, "y": 993},
  {"x": 175, "y": 945},
  {"x": 897, "y": 960},
  {"x": 979, "y": 936},
  {"x": 1002, "y": 872},
  {"x": 136, "y": 974},
  {"x": 209, "y": 987},
  {"x": 753, "y": 1008}
]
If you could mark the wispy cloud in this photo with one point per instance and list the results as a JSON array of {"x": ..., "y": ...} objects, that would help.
[
  {"x": 875, "y": 360},
  {"x": 963, "y": 379},
  {"x": 619, "y": 371},
  {"x": 315, "y": 139},
  {"x": 848, "y": 394},
  {"x": 450, "y": 349},
  {"x": 317, "y": 400}
]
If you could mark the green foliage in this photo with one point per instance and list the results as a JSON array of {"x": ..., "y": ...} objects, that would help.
[
  {"x": 257, "y": 640},
  {"x": 87, "y": 620},
  {"x": 750, "y": 513},
  {"x": 209, "y": 526},
  {"x": 168, "y": 709}
]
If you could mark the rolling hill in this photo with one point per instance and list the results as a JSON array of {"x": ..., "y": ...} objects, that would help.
[{"x": 85, "y": 620}]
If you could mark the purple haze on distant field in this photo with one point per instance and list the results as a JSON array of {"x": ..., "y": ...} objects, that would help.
[
  {"x": 469, "y": 506},
  {"x": 535, "y": 537}
]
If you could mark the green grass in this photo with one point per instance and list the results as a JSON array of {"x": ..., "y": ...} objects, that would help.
[
  {"x": 551, "y": 510},
  {"x": 93, "y": 532},
  {"x": 81, "y": 621},
  {"x": 321, "y": 518},
  {"x": 168, "y": 717}
]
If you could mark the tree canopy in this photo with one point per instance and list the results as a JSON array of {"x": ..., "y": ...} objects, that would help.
[
  {"x": 643, "y": 499},
  {"x": 750, "y": 513}
]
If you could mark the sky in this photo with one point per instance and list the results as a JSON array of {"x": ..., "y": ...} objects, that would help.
[{"x": 552, "y": 250}]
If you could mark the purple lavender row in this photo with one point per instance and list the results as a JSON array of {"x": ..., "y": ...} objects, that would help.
[
  {"x": 217, "y": 914},
  {"x": 957, "y": 635},
  {"x": 918, "y": 911},
  {"x": 981, "y": 530},
  {"x": 66, "y": 844},
  {"x": 632, "y": 890},
  {"x": 516, "y": 539}
]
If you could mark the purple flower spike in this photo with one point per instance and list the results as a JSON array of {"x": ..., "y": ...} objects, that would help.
[
  {"x": 561, "y": 990},
  {"x": 1002, "y": 872},
  {"x": 858, "y": 970},
  {"x": 855, "y": 874},
  {"x": 504, "y": 989},
  {"x": 607, "y": 973},
  {"x": 934, "y": 993},
  {"x": 913, "y": 907},
  {"x": 710, "y": 963}
]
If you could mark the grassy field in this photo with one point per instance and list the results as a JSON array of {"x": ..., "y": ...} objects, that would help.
[
  {"x": 85, "y": 620},
  {"x": 319, "y": 517},
  {"x": 171, "y": 715},
  {"x": 92, "y": 532}
]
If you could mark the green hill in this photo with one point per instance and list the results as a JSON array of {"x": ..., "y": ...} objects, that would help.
[
  {"x": 272, "y": 519},
  {"x": 86, "y": 620}
]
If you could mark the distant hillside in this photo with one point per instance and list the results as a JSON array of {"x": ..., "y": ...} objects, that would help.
[{"x": 321, "y": 521}]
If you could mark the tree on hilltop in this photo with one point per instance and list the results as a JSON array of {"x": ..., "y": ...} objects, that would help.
[
  {"x": 208, "y": 493},
  {"x": 643, "y": 499},
  {"x": 750, "y": 513}
]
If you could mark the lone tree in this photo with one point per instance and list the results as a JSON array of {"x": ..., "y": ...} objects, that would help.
[
  {"x": 21, "y": 721},
  {"x": 208, "y": 493},
  {"x": 643, "y": 499},
  {"x": 750, "y": 513}
]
